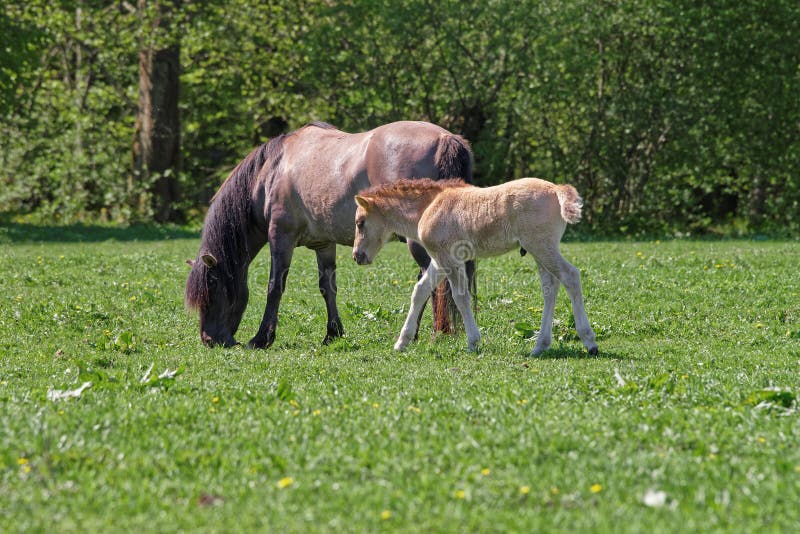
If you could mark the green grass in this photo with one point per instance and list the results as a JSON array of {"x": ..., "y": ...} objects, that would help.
[{"x": 691, "y": 334}]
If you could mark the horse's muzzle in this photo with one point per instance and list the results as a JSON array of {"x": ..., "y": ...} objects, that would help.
[
  {"x": 210, "y": 342},
  {"x": 361, "y": 258}
]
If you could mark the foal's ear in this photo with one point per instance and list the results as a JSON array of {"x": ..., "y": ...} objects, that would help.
[
  {"x": 209, "y": 260},
  {"x": 363, "y": 202}
]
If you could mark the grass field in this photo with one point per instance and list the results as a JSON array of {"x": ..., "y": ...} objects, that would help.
[{"x": 687, "y": 421}]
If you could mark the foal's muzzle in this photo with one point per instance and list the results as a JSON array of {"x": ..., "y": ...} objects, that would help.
[{"x": 361, "y": 258}]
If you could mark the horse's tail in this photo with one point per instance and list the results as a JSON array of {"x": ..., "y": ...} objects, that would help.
[
  {"x": 453, "y": 159},
  {"x": 571, "y": 203}
]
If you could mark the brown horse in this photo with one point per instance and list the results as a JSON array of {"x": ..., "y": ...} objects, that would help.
[
  {"x": 297, "y": 190},
  {"x": 456, "y": 222}
]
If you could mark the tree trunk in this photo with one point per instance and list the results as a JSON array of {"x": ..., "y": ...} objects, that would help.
[{"x": 156, "y": 150}]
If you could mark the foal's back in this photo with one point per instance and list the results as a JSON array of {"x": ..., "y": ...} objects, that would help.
[{"x": 493, "y": 219}]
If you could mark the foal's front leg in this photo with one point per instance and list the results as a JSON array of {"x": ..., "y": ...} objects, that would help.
[
  {"x": 459, "y": 282},
  {"x": 420, "y": 295}
]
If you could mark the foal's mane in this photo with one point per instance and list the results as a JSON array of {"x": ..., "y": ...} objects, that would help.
[
  {"x": 404, "y": 188},
  {"x": 227, "y": 224}
]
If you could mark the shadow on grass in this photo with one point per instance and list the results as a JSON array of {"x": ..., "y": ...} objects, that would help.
[
  {"x": 14, "y": 232},
  {"x": 561, "y": 353}
]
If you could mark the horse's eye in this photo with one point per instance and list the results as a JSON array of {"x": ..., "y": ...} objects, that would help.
[{"x": 360, "y": 224}]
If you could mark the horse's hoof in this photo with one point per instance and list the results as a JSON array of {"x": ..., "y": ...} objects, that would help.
[
  {"x": 256, "y": 343},
  {"x": 593, "y": 351}
]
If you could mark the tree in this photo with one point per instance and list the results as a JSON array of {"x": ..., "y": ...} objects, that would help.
[{"x": 156, "y": 149}]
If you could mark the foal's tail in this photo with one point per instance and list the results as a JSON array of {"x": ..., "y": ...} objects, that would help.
[
  {"x": 571, "y": 203},
  {"x": 453, "y": 159}
]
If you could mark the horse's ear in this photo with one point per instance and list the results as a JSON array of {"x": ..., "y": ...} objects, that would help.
[
  {"x": 363, "y": 202},
  {"x": 209, "y": 260}
]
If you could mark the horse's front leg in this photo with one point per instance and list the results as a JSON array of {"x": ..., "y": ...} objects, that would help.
[
  {"x": 420, "y": 295},
  {"x": 281, "y": 250},
  {"x": 459, "y": 283},
  {"x": 326, "y": 263}
]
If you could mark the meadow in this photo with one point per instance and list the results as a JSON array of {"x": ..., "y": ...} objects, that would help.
[{"x": 686, "y": 421}]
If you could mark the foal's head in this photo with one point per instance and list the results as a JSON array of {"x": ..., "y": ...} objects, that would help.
[{"x": 372, "y": 231}]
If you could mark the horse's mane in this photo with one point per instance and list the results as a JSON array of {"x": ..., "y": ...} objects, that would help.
[
  {"x": 405, "y": 187},
  {"x": 227, "y": 222}
]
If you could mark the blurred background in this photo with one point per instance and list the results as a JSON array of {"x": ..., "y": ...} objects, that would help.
[{"x": 670, "y": 117}]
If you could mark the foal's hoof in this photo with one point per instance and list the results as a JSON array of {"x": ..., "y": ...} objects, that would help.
[{"x": 401, "y": 345}]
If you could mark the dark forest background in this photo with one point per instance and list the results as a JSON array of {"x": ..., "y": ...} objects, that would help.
[{"x": 668, "y": 116}]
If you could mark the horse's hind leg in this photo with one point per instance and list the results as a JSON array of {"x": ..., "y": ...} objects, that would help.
[
  {"x": 326, "y": 263},
  {"x": 281, "y": 248},
  {"x": 550, "y": 285},
  {"x": 548, "y": 256},
  {"x": 420, "y": 295}
]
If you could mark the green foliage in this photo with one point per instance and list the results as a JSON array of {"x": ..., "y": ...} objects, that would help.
[
  {"x": 694, "y": 394},
  {"x": 668, "y": 116}
]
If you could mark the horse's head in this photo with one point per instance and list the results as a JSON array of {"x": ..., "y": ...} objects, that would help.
[
  {"x": 372, "y": 231},
  {"x": 219, "y": 293}
]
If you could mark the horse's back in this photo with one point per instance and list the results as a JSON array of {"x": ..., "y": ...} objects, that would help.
[{"x": 322, "y": 168}]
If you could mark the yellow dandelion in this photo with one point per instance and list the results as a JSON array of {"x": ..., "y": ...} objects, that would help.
[
  {"x": 132, "y": 299},
  {"x": 762, "y": 439},
  {"x": 486, "y": 471},
  {"x": 26, "y": 469},
  {"x": 215, "y": 400},
  {"x": 376, "y": 405},
  {"x": 212, "y": 410},
  {"x": 759, "y": 325},
  {"x": 554, "y": 491},
  {"x": 797, "y": 468},
  {"x": 596, "y": 488},
  {"x": 294, "y": 403},
  {"x": 296, "y": 413},
  {"x": 386, "y": 514},
  {"x": 524, "y": 490},
  {"x": 285, "y": 482},
  {"x": 316, "y": 412},
  {"x": 414, "y": 409},
  {"x": 460, "y": 494},
  {"x": 522, "y": 402},
  {"x": 22, "y": 461}
]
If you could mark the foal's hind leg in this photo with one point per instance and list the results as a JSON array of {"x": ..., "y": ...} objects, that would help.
[
  {"x": 548, "y": 256},
  {"x": 550, "y": 286},
  {"x": 326, "y": 264},
  {"x": 420, "y": 295}
]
